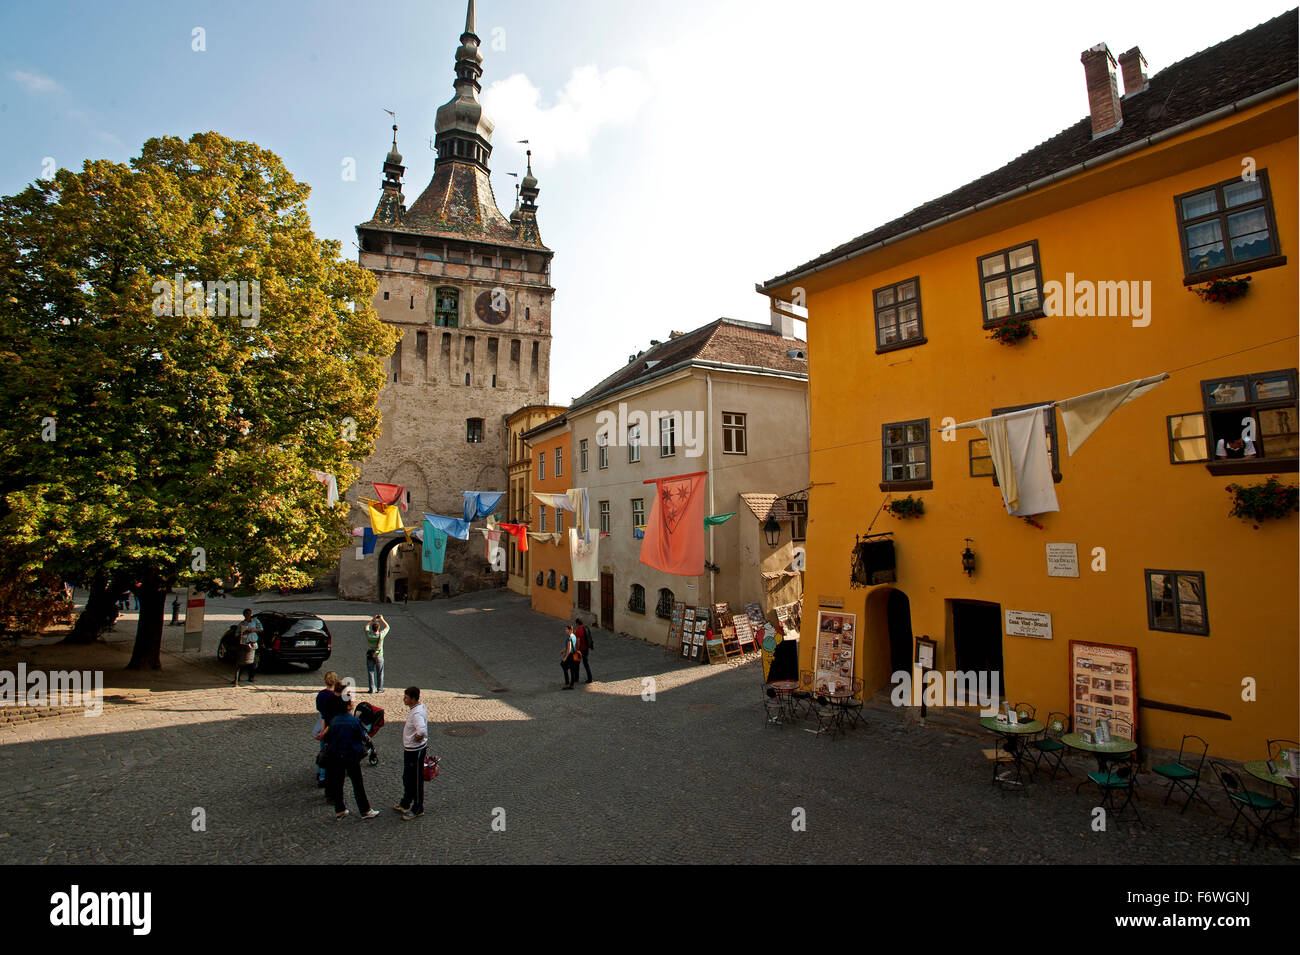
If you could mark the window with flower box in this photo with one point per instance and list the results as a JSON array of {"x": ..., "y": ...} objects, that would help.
[
  {"x": 1011, "y": 283},
  {"x": 1227, "y": 229}
]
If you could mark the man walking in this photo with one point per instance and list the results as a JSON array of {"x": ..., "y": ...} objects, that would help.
[
  {"x": 344, "y": 748},
  {"x": 568, "y": 659},
  {"x": 376, "y": 630},
  {"x": 415, "y": 741},
  {"x": 249, "y": 632},
  {"x": 584, "y": 647}
]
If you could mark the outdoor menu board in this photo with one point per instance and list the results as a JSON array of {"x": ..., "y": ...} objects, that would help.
[
  {"x": 724, "y": 628},
  {"x": 836, "y": 633},
  {"x": 744, "y": 629},
  {"x": 1104, "y": 682}
]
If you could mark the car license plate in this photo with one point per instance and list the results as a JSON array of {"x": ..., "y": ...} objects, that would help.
[{"x": 305, "y": 643}]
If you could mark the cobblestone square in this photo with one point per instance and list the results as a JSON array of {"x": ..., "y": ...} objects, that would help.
[{"x": 594, "y": 776}]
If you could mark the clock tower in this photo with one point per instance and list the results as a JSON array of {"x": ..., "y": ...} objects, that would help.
[{"x": 469, "y": 288}]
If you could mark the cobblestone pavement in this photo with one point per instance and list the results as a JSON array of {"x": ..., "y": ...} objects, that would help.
[{"x": 594, "y": 775}]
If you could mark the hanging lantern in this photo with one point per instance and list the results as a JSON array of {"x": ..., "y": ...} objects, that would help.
[
  {"x": 968, "y": 559},
  {"x": 772, "y": 530}
]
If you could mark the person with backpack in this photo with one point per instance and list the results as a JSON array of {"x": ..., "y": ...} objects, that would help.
[
  {"x": 584, "y": 647},
  {"x": 569, "y": 658},
  {"x": 344, "y": 747}
]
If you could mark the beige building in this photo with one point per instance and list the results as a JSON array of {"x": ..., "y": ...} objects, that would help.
[
  {"x": 730, "y": 399},
  {"x": 470, "y": 290}
]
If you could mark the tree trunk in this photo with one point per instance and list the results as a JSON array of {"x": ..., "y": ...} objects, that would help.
[
  {"x": 100, "y": 612},
  {"x": 152, "y": 593}
]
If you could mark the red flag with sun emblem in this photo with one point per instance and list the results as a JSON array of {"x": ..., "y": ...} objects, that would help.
[{"x": 674, "y": 532}]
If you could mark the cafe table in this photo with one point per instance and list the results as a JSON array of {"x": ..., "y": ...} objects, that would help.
[
  {"x": 1103, "y": 751},
  {"x": 785, "y": 696},
  {"x": 1012, "y": 732},
  {"x": 1259, "y": 769}
]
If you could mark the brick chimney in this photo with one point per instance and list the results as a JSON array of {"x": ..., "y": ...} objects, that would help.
[
  {"x": 1103, "y": 93},
  {"x": 1133, "y": 65}
]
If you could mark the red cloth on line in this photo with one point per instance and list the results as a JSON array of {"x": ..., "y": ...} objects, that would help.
[
  {"x": 674, "y": 532},
  {"x": 519, "y": 532},
  {"x": 389, "y": 493}
]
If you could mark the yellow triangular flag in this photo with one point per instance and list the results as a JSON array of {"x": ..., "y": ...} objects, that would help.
[{"x": 383, "y": 517}]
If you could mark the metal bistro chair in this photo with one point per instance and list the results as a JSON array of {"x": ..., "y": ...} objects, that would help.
[
  {"x": 1185, "y": 774},
  {"x": 773, "y": 708},
  {"x": 1123, "y": 778},
  {"x": 803, "y": 697},
  {"x": 1275, "y": 747},
  {"x": 1256, "y": 808},
  {"x": 1025, "y": 712},
  {"x": 1008, "y": 750},
  {"x": 1049, "y": 746},
  {"x": 829, "y": 716},
  {"x": 853, "y": 706}
]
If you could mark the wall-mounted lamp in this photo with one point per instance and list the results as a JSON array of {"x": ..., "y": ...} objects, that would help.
[
  {"x": 712, "y": 568},
  {"x": 772, "y": 530},
  {"x": 968, "y": 559}
]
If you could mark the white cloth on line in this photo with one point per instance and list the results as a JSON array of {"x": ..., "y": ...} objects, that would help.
[
  {"x": 1084, "y": 414},
  {"x": 1021, "y": 460}
]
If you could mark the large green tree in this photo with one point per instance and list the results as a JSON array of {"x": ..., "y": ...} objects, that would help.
[{"x": 151, "y": 435}]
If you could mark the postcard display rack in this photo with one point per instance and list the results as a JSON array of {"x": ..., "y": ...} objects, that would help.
[
  {"x": 1103, "y": 680},
  {"x": 724, "y": 627},
  {"x": 695, "y": 626},
  {"x": 675, "y": 629}
]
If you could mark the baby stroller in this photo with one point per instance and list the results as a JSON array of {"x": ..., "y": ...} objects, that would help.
[{"x": 372, "y": 718}]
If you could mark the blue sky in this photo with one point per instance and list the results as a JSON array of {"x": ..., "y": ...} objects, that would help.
[{"x": 684, "y": 150}]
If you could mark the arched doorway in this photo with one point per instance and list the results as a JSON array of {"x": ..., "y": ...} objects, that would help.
[
  {"x": 385, "y": 548},
  {"x": 898, "y": 613},
  {"x": 886, "y": 645}
]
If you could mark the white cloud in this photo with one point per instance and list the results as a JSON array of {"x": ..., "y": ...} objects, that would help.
[
  {"x": 589, "y": 101},
  {"x": 34, "y": 82}
]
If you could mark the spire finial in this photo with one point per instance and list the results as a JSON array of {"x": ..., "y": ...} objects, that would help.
[{"x": 469, "y": 18}]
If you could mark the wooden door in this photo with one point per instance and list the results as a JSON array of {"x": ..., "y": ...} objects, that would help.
[
  {"x": 607, "y": 601},
  {"x": 584, "y": 595}
]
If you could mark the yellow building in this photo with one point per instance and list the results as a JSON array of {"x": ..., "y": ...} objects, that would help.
[
  {"x": 1142, "y": 552},
  {"x": 519, "y": 470},
  {"x": 552, "y": 473}
]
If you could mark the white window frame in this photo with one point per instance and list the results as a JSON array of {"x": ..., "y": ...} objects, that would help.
[
  {"x": 604, "y": 517},
  {"x": 582, "y": 455},
  {"x": 638, "y": 510},
  {"x": 602, "y": 452},
  {"x": 633, "y": 444},
  {"x": 541, "y": 465},
  {"x": 559, "y": 461},
  {"x": 559, "y": 521},
  {"x": 541, "y": 518},
  {"x": 669, "y": 432}
]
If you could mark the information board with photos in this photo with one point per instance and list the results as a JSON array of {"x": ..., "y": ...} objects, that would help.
[
  {"x": 1103, "y": 685},
  {"x": 836, "y": 639}
]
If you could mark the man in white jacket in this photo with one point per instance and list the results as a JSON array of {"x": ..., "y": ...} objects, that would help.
[{"x": 415, "y": 740}]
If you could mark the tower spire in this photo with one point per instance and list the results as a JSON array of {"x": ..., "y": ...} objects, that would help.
[{"x": 462, "y": 131}]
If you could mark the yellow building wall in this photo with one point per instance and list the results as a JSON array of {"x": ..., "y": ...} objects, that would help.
[
  {"x": 546, "y": 557},
  {"x": 1119, "y": 492}
]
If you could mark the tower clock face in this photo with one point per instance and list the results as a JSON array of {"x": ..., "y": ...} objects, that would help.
[{"x": 485, "y": 307}]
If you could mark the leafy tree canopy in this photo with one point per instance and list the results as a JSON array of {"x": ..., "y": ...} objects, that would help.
[{"x": 141, "y": 416}]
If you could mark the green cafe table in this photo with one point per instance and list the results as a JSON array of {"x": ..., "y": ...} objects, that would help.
[
  {"x": 1259, "y": 769},
  {"x": 1013, "y": 733},
  {"x": 1103, "y": 751}
]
